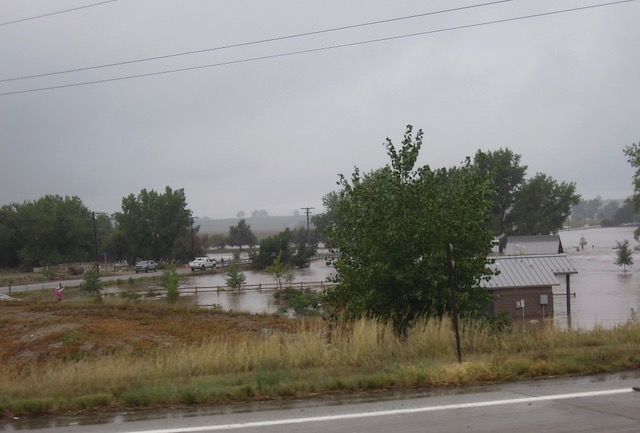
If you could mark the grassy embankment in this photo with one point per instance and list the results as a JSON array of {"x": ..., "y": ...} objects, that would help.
[{"x": 80, "y": 355}]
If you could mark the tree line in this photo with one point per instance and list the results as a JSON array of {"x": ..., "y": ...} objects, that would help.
[
  {"x": 390, "y": 226},
  {"x": 394, "y": 228},
  {"x": 159, "y": 225},
  {"x": 56, "y": 229}
]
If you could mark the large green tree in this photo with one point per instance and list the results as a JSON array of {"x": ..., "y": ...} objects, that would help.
[
  {"x": 539, "y": 205},
  {"x": 151, "y": 224},
  {"x": 241, "y": 234},
  {"x": 394, "y": 223},
  {"x": 11, "y": 238},
  {"x": 48, "y": 231},
  {"x": 542, "y": 206},
  {"x": 502, "y": 167}
]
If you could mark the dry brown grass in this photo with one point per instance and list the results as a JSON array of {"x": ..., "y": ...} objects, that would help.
[{"x": 80, "y": 355}]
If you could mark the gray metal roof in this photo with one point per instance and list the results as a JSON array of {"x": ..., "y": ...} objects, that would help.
[
  {"x": 529, "y": 271},
  {"x": 530, "y": 245}
]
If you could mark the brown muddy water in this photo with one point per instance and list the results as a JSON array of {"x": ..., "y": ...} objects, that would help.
[
  {"x": 603, "y": 293},
  {"x": 252, "y": 301}
]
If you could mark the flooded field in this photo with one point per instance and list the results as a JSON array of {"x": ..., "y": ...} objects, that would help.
[
  {"x": 605, "y": 295},
  {"x": 252, "y": 300}
]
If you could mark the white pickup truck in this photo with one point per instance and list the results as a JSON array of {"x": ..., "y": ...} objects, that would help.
[{"x": 202, "y": 263}]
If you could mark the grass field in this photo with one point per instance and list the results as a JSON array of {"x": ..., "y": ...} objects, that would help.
[{"x": 77, "y": 356}]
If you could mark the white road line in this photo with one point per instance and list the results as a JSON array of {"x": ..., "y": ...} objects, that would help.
[{"x": 384, "y": 412}]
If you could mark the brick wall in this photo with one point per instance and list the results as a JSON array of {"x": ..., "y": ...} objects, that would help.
[{"x": 507, "y": 299}]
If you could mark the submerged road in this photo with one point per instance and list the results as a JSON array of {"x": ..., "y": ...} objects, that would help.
[{"x": 594, "y": 404}]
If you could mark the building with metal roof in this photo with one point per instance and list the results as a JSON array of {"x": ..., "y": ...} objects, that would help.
[
  {"x": 533, "y": 245},
  {"x": 524, "y": 284}
]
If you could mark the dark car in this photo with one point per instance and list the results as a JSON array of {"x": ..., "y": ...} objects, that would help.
[{"x": 146, "y": 266}]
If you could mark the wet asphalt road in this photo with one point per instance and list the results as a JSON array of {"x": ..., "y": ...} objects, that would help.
[
  {"x": 50, "y": 285},
  {"x": 594, "y": 404}
]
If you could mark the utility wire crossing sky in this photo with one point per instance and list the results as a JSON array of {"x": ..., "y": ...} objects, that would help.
[{"x": 103, "y": 99}]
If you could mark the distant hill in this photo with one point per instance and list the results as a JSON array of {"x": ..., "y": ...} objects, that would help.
[{"x": 259, "y": 225}]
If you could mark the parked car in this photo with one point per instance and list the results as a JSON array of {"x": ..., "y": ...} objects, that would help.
[
  {"x": 146, "y": 266},
  {"x": 202, "y": 263}
]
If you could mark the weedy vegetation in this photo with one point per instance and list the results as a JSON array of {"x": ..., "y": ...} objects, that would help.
[{"x": 131, "y": 352}]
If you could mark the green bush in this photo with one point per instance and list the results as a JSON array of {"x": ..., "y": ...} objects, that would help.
[
  {"x": 92, "y": 286},
  {"x": 171, "y": 279}
]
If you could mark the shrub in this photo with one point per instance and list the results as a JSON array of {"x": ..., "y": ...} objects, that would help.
[
  {"x": 170, "y": 278},
  {"x": 92, "y": 285}
]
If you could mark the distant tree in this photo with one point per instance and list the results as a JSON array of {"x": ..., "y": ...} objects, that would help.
[
  {"x": 502, "y": 167},
  {"x": 594, "y": 208},
  {"x": 240, "y": 214},
  {"x": 104, "y": 233},
  {"x": 187, "y": 245},
  {"x": 519, "y": 206},
  {"x": 299, "y": 235},
  {"x": 541, "y": 206},
  {"x": 204, "y": 240},
  {"x": 218, "y": 240},
  {"x": 587, "y": 210},
  {"x": 291, "y": 251},
  {"x": 259, "y": 213},
  {"x": 234, "y": 279},
  {"x": 11, "y": 238},
  {"x": 393, "y": 224},
  {"x": 583, "y": 242},
  {"x": 153, "y": 222},
  {"x": 627, "y": 214},
  {"x": 610, "y": 209},
  {"x": 271, "y": 248},
  {"x": 323, "y": 221},
  {"x": 241, "y": 234},
  {"x": 296, "y": 212},
  {"x": 49, "y": 231},
  {"x": 624, "y": 256}
]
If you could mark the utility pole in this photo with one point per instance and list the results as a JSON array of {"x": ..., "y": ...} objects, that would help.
[
  {"x": 307, "y": 210},
  {"x": 454, "y": 298},
  {"x": 192, "y": 219},
  {"x": 95, "y": 242}
]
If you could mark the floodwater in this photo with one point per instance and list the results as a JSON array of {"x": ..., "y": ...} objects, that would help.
[
  {"x": 603, "y": 294},
  {"x": 252, "y": 301}
]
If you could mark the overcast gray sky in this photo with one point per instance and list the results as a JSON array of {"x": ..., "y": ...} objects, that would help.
[{"x": 561, "y": 90}]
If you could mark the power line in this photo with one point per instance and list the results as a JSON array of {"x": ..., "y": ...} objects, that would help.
[
  {"x": 256, "y": 42},
  {"x": 56, "y": 13},
  {"x": 312, "y": 50}
]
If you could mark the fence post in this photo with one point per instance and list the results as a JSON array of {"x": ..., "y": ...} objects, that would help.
[
  {"x": 196, "y": 294},
  {"x": 260, "y": 287}
]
